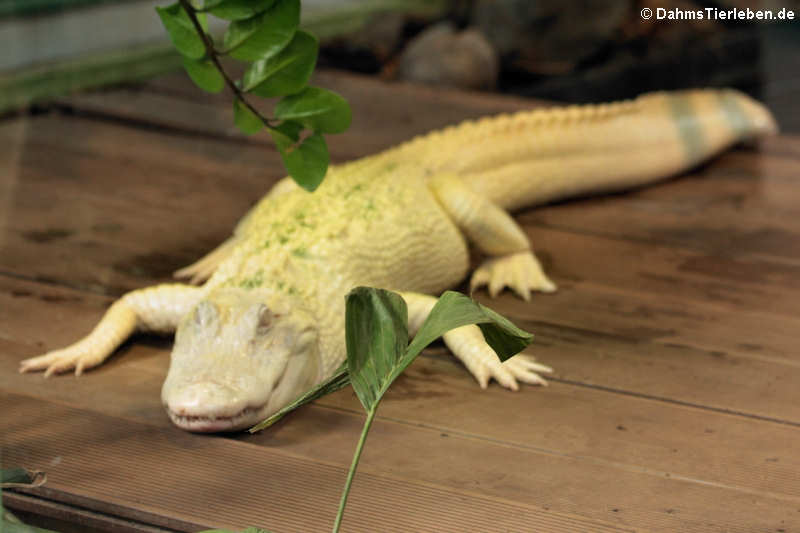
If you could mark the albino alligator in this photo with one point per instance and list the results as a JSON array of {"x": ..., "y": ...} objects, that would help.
[{"x": 268, "y": 323}]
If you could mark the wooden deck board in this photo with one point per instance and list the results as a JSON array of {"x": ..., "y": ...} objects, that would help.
[
  {"x": 450, "y": 484},
  {"x": 674, "y": 404}
]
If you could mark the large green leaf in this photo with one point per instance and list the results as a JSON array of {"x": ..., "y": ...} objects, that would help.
[
  {"x": 181, "y": 31},
  {"x": 318, "y": 109},
  {"x": 246, "y": 120},
  {"x": 264, "y": 35},
  {"x": 284, "y": 73},
  {"x": 204, "y": 74},
  {"x": 376, "y": 331},
  {"x": 306, "y": 160},
  {"x": 237, "y": 9},
  {"x": 340, "y": 379},
  {"x": 454, "y": 310}
]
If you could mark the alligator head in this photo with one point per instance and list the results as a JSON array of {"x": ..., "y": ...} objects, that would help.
[{"x": 239, "y": 356}]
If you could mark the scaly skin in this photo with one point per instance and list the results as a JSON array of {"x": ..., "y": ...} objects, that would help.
[{"x": 269, "y": 323}]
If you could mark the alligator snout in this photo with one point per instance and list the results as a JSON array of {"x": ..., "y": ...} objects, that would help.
[{"x": 207, "y": 407}]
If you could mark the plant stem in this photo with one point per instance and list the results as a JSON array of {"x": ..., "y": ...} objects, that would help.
[
  {"x": 212, "y": 55},
  {"x": 353, "y": 466}
]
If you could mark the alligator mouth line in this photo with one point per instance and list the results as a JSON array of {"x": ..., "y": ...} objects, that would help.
[{"x": 210, "y": 423}]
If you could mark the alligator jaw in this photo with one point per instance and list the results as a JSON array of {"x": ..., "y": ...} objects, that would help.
[{"x": 213, "y": 424}]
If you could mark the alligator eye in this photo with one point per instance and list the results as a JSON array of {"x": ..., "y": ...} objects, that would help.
[
  {"x": 264, "y": 319},
  {"x": 205, "y": 314}
]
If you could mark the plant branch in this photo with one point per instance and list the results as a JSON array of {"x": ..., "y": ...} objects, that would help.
[
  {"x": 212, "y": 54},
  {"x": 353, "y": 466}
]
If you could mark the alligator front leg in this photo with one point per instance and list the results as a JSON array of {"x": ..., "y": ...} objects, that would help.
[
  {"x": 157, "y": 309},
  {"x": 467, "y": 343},
  {"x": 511, "y": 262}
]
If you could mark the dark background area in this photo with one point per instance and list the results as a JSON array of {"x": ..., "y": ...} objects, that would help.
[{"x": 585, "y": 51}]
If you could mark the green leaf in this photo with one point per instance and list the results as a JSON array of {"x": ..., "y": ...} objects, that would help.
[
  {"x": 506, "y": 339},
  {"x": 454, "y": 310},
  {"x": 246, "y": 120},
  {"x": 204, "y": 74},
  {"x": 203, "y": 20},
  {"x": 376, "y": 331},
  {"x": 340, "y": 379},
  {"x": 237, "y": 9},
  {"x": 264, "y": 35},
  {"x": 239, "y": 32},
  {"x": 181, "y": 31},
  {"x": 15, "y": 475},
  {"x": 290, "y": 129},
  {"x": 20, "y": 477},
  {"x": 284, "y": 73},
  {"x": 317, "y": 109},
  {"x": 306, "y": 161},
  {"x": 375, "y": 326}
]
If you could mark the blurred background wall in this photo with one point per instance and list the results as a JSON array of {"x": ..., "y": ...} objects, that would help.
[{"x": 576, "y": 51}]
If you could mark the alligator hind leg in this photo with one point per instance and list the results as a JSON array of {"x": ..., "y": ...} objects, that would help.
[
  {"x": 156, "y": 309},
  {"x": 511, "y": 262},
  {"x": 467, "y": 343}
]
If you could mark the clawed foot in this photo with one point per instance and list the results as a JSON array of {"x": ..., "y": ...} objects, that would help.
[
  {"x": 60, "y": 361},
  {"x": 521, "y": 272},
  {"x": 521, "y": 367},
  {"x": 469, "y": 345}
]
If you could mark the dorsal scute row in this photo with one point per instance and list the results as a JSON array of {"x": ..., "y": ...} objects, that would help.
[{"x": 510, "y": 123}]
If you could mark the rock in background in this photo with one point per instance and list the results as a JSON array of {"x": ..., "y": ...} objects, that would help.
[
  {"x": 578, "y": 51},
  {"x": 443, "y": 55}
]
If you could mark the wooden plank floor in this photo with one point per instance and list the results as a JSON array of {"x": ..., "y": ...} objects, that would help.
[{"x": 675, "y": 405}]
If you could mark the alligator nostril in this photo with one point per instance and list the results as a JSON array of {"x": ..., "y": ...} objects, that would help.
[{"x": 199, "y": 399}]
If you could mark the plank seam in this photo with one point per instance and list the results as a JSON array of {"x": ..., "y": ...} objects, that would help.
[
  {"x": 633, "y": 239},
  {"x": 71, "y": 110},
  {"x": 60, "y": 284},
  {"x": 684, "y": 403},
  {"x": 34, "y": 503}
]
